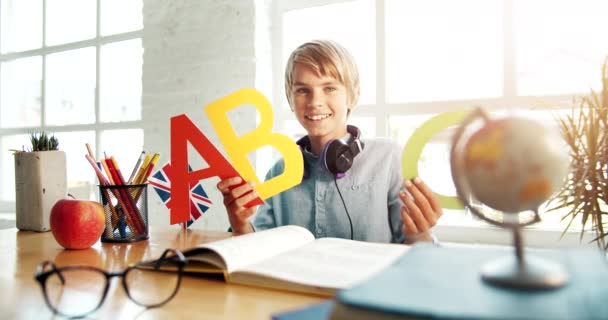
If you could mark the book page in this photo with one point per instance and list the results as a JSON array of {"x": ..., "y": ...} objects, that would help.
[
  {"x": 237, "y": 252},
  {"x": 325, "y": 263}
]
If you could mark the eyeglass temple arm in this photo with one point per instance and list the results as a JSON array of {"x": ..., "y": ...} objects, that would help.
[
  {"x": 41, "y": 273},
  {"x": 180, "y": 257}
]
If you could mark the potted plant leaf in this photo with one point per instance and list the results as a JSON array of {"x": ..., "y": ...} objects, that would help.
[
  {"x": 40, "y": 181},
  {"x": 584, "y": 196}
]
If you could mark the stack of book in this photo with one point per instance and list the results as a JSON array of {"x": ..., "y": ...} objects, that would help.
[{"x": 445, "y": 283}]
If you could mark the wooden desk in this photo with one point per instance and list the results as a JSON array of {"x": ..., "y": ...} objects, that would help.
[{"x": 21, "y": 297}]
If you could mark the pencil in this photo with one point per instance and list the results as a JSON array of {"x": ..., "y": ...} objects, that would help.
[
  {"x": 104, "y": 182},
  {"x": 116, "y": 220},
  {"x": 108, "y": 173},
  {"x": 125, "y": 201},
  {"x": 136, "y": 167},
  {"x": 150, "y": 167},
  {"x": 142, "y": 169},
  {"x": 102, "y": 179},
  {"x": 89, "y": 150},
  {"x": 117, "y": 169},
  {"x": 147, "y": 174},
  {"x": 107, "y": 165},
  {"x": 131, "y": 198},
  {"x": 116, "y": 192}
]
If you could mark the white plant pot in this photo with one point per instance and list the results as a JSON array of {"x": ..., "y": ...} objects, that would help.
[{"x": 40, "y": 181}]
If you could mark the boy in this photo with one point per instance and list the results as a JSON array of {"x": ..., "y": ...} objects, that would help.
[{"x": 362, "y": 202}]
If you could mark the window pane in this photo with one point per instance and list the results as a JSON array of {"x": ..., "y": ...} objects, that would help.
[
  {"x": 21, "y": 25},
  {"x": 120, "y": 88},
  {"x": 70, "y": 87},
  {"x": 7, "y": 164},
  {"x": 356, "y": 31},
  {"x": 366, "y": 125},
  {"x": 70, "y": 20},
  {"x": 20, "y": 93},
  {"x": 125, "y": 145},
  {"x": 80, "y": 174},
  {"x": 443, "y": 50},
  {"x": 119, "y": 16},
  {"x": 573, "y": 46}
]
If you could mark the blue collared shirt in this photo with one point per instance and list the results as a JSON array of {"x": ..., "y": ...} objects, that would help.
[{"x": 370, "y": 191}]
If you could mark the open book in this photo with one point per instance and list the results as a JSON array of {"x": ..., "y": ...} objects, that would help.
[{"x": 290, "y": 258}]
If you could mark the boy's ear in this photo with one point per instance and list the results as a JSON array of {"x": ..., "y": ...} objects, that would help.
[{"x": 349, "y": 110}]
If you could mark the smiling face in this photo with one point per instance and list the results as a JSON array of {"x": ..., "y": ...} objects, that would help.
[{"x": 321, "y": 105}]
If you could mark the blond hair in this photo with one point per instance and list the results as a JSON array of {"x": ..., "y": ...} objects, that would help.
[{"x": 327, "y": 58}]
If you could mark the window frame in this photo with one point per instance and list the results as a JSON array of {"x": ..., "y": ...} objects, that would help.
[
  {"x": 473, "y": 232},
  {"x": 97, "y": 127}
]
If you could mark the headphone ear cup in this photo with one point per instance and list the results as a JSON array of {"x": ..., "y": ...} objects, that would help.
[
  {"x": 344, "y": 161},
  {"x": 337, "y": 157}
]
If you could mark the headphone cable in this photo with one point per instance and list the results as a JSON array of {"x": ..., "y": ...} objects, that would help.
[{"x": 345, "y": 209}]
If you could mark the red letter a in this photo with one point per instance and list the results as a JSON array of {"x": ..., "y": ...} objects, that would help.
[{"x": 182, "y": 132}]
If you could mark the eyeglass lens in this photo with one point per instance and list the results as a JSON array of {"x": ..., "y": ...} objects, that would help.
[
  {"x": 151, "y": 287},
  {"x": 80, "y": 293}
]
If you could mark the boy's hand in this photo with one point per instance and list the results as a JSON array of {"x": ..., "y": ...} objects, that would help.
[
  {"x": 235, "y": 199},
  {"x": 420, "y": 212}
]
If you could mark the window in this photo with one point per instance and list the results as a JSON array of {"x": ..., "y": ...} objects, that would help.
[
  {"x": 422, "y": 58},
  {"x": 429, "y": 51},
  {"x": 71, "y": 68}
]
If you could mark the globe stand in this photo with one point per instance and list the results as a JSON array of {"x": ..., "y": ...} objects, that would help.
[
  {"x": 521, "y": 272},
  {"x": 516, "y": 272}
]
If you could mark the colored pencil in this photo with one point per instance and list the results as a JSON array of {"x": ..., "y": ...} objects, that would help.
[
  {"x": 142, "y": 169},
  {"x": 126, "y": 202},
  {"x": 150, "y": 167},
  {"x": 136, "y": 167},
  {"x": 103, "y": 181}
]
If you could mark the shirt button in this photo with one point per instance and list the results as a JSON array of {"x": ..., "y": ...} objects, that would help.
[
  {"x": 319, "y": 197},
  {"x": 355, "y": 187}
]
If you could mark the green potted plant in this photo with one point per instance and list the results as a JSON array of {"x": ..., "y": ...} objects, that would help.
[
  {"x": 584, "y": 196},
  {"x": 40, "y": 181}
]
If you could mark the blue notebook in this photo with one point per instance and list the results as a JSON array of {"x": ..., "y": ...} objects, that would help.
[
  {"x": 445, "y": 283},
  {"x": 314, "y": 311}
]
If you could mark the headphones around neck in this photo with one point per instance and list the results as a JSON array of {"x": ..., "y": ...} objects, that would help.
[{"x": 337, "y": 156}]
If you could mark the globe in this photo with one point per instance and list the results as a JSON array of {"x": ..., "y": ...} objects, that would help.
[{"x": 514, "y": 164}]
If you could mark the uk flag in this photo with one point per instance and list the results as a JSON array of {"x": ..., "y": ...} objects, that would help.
[{"x": 199, "y": 201}]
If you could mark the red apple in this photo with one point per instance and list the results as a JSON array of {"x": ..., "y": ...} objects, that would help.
[{"x": 77, "y": 224}]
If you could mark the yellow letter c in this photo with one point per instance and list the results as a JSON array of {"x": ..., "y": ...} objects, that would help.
[{"x": 415, "y": 144}]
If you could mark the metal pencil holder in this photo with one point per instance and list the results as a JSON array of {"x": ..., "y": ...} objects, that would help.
[{"x": 126, "y": 210}]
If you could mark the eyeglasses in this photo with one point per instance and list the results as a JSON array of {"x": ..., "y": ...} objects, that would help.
[{"x": 76, "y": 291}]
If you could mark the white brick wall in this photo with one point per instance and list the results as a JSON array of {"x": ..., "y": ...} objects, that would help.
[{"x": 194, "y": 53}]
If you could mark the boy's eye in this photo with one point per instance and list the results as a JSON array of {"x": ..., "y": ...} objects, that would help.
[
  {"x": 331, "y": 89},
  {"x": 301, "y": 91}
]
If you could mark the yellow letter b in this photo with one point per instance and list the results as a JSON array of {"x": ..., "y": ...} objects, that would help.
[{"x": 237, "y": 148}]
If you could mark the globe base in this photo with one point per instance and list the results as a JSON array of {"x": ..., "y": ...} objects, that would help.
[{"x": 531, "y": 273}]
